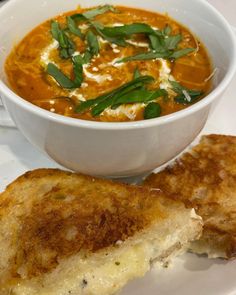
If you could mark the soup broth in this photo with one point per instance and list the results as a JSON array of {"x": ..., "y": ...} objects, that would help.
[{"x": 110, "y": 64}]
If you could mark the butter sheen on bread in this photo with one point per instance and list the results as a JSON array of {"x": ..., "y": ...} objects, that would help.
[{"x": 64, "y": 233}]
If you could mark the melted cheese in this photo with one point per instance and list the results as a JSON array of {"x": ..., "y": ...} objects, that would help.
[{"x": 107, "y": 272}]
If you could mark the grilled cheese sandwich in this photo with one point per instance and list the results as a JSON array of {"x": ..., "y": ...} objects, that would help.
[
  {"x": 64, "y": 233},
  {"x": 205, "y": 178}
]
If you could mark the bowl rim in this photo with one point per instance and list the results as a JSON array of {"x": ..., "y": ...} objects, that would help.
[{"x": 7, "y": 92}]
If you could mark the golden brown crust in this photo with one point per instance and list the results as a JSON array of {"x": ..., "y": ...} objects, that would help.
[
  {"x": 205, "y": 178},
  {"x": 57, "y": 214}
]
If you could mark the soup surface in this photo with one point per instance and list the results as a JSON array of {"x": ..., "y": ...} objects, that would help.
[{"x": 110, "y": 64}]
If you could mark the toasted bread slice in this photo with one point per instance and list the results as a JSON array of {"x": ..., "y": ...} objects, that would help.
[
  {"x": 205, "y": 178},
  {"x": 66, "y": 233}
]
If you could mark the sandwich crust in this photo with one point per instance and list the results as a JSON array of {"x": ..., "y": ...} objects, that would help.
[
  {"x": 205, "y": 178},
  {"x": 53, "y": 214}
]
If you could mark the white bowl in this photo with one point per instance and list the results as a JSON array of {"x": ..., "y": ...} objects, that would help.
[{"x": 115, "y": 149}]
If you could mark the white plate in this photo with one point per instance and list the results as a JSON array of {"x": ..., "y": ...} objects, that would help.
[{"x": 188, "y": 274}]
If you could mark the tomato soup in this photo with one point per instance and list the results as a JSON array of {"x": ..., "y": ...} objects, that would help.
[{"x": 110, "y": 63}]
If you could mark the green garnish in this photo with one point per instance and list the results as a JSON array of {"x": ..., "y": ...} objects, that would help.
[
  {"x": 171, "y": 42},
  {"x": 107, "y": 97},
  {"x": 185, "y": 95},
  {"x": 93, "y": 49},
  {"x": 90, "y": 14},
  {"x": 131, "y": 92},
  {"x": 117, "y": 34},
  {"x": 127, "y": 30},
  {"x": 66, "y": 46},
  {"x": 162, "y": 41},
  {"x": 62, "y": 79},
  {"x": 144, "y": 56},
  {"x": 93, "y": 44},
  {"x": 135, "y": 96},
  {"x": 166, "y": 31},
  {"x": 162, "y": 44},
  {"x": 157, "y": 43},
  {"x": 140, "y": 96},
  {"x": 154, "y": 54},
  {"x": 179, "y": 53},
  {"x": 120, "y": 41},
  {"x": 152, "y": 110},
  {"x": 73, "y": 28},
  {"x": 137, "y": 73},
  {"x": 78, "y": 71},
  {"x": 87, "y": 57}
]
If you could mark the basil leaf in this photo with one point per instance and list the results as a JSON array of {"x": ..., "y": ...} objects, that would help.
[
  {"x": 155, "y": 54},
  {"x": 181, "y": 52},
  {"x": 120, "y": 41},
  {"x": 167, "y": 30},
  {"x": 92, "y": 43},
  {"x": 90, "y": 14},
  {"x": 127, "y": 96},
  {"x": 111, "y": 101},
  {"x": 137, "y": 73},
  {"x": 88, "y": 17},
  {"x": 140, "y": 96},
  {"x": 181, "y": 97},
  {"x": 62, "y": 79},
  {"x": 78, "y": 17},
  {"x": 177, "y": 87},
  {"x": 126, "y": 88},
  {"x": 162, "y": 41},
  {"x": 152, "y": 110},
  {"x": 145, "y": 56},
  {"x": 127, "y": 30},
  {"x": 171, "y": 42},
  {"x": 79, "y": 59},
  {"x": 157, "y": 43},
  {"x": 66, "y": 46},
  {"x": 183, "y": 100},
  {"x": 55, "y": 30},
  {"x": 73, "y": 28},
  {"x": 136, "y": 83},
  {"x": 164, "y": 44},
  {"x": 87, "y": 57},
  {"x": 78, "y": 71}
]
